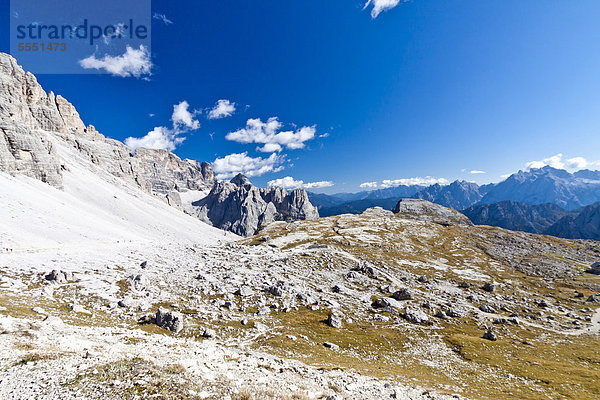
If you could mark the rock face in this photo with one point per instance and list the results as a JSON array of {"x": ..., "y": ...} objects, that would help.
[
  {"x": 163, "y": 172},
  {"x": 425, "y": 211},
  {"x": 242, "y": 208}
]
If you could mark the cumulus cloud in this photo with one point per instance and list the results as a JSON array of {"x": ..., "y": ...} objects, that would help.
[
  {"x": 557, "y": 161},
  {"x": 134, "y": 62},
  {"x": 240, "y": 163},
  {"x": 165, "y": 138},
  {"x": 475, "y": 172},
  {"x": 184, "y": 119},
  {"x": 270, "y": 135},
  {"x": 369, "y": 185},
  {"x": 223, "y": 108},
  {"x": 290, "y": 183},
  {"x": 158, "y": 138},
  {"x": 163, "y": 18},
  {"x": 428, "y": 180},
  {"x": 380, "y": 6}
]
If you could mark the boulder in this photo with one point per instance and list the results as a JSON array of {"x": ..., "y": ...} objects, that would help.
[
  {"x": 334, "y": 319},
  {"x": 169, "y": 320}
]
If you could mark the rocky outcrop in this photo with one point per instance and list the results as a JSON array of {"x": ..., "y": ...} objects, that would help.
[
  {"x": 242, "y": 208},
  {"x": 162, "y": 172},
  {"x": 425, "y": 211}
]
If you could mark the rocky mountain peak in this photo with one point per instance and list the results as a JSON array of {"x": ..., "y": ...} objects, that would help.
[{"x": 240, "y": 180}]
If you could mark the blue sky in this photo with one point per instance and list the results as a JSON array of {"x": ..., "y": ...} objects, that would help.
[{"x": 428, "y": 88}]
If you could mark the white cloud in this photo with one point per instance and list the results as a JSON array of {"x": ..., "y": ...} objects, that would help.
[
  {"x": 475, "y": 172},
  {"x": 290, "y": 183},
  {"x": 428, "y": 180},
  {"x": 240, "y": 163},
  {"x": 163, "y": 18},
  {"x": 134, "y": 62},
  {"x": 269, "y": 134},
  {"x": 505, "y": 176},
  {"x": 162, "y": 137},
  {"x": 556, "y": 161},
  {"x": 380, "y": 6},
  {"x": 182, "y": 118},
  {"x": 223, "y": 108},
  {"x": 369, "y": 185},
  {"x": 270, "y": 148},
  {"x": 158, "y": 138}
]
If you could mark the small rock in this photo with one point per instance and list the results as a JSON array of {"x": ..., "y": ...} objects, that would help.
[
  {"x": 331, "y": 346},
  {"x": 126, "y": 302},
  {"x": 593, "y": 298},
  {"x": 423, "y": 279},
  {"x": 465, "y": 285},
  {"x": 403, "y": 294},
  {"x": 79, "y": 309},
  {"x": 490, "y": 334},
  {"x": 209, "y": 333},
  {"x": 335, "y": 319},
  {"x": 170, "y": 320},
  {"x": 144, "y": 264},
  {"x": 59, "y": 276},
  {"x": 487, "y": 309},
  {"x": 415, "y": 316},
  {"x": 488, "y": 287},
  {"x": 275, "y": 290},
  {"x": 39, "y": 310},
  {"x": 244, "y": 291}
]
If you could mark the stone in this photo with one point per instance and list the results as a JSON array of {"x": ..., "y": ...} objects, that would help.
[
  {"x": 415, "y": 316},
  {"x": 386, "y": 302},
  {"x": 331, "y": 346},
  {"x": 490, "y": 334},
  {"x": 275, "y": 290},
  {"x": 465, "y": 285},
  {"x": 488, "y": 287},
  {"x": 403, "y": 294},
  {"x": 244, "y": 291},
  {"x": 59, "y": 276},
  {"x": 594, "y": 269},
  {"x": 209, "y": 333},
  {"x": 138, "y": 282},
  {"x": 593, "y": 299},
  {"x": 487, "y": 309},
  {"x": 334, "y": 319},
  {"x": 170, "y": 320}
]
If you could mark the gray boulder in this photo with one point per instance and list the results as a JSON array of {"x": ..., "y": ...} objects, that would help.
[{"x": 170, "y": 320}]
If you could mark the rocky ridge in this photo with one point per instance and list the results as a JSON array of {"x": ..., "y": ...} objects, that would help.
[{"x": 242, "y": 208}]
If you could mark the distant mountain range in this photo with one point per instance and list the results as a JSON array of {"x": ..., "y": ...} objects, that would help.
[
  {"x": 545, "y": 200},
  {"x": 549, "y": 219},
  {"x": 548, "y": 185}
]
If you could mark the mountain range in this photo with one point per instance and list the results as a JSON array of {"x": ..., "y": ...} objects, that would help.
[{"x": 40, "y": 132}]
